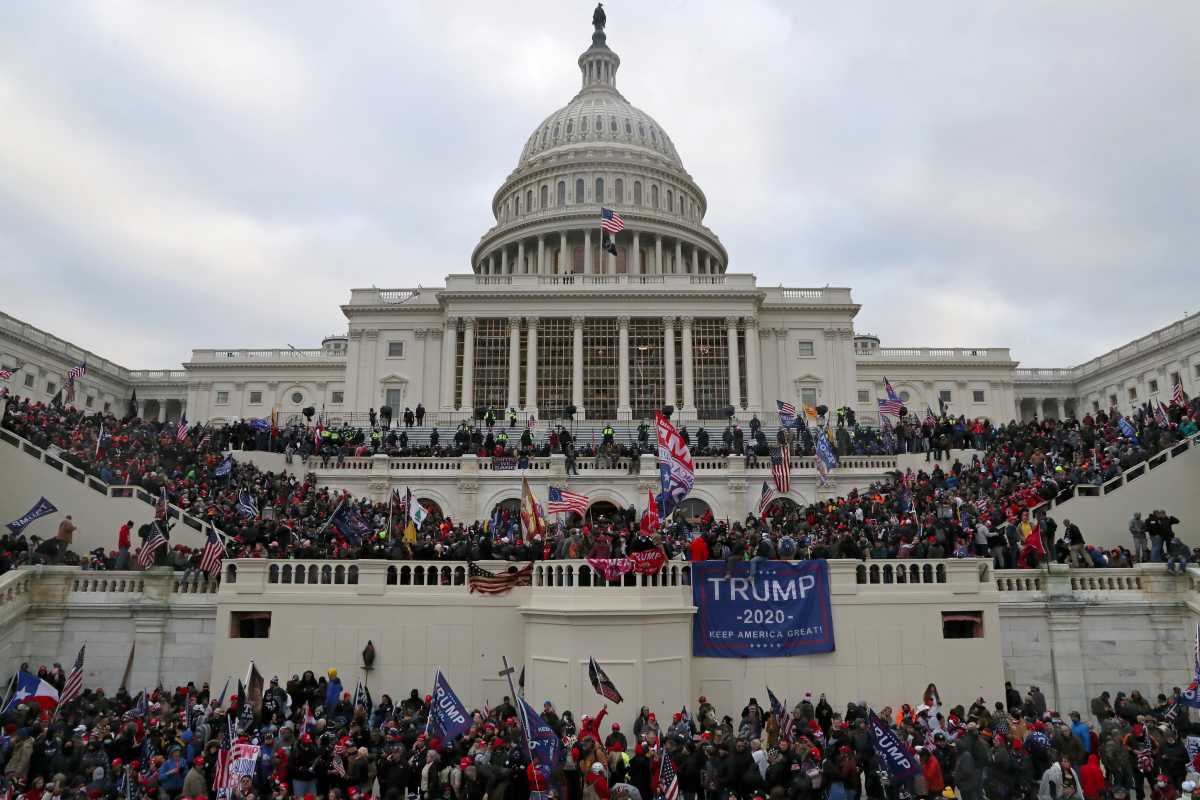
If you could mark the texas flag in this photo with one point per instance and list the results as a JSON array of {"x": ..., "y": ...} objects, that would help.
[{"x": 31, "y": 688}]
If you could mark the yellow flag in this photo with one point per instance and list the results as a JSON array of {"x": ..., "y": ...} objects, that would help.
[{"x": 410, "y": 532}]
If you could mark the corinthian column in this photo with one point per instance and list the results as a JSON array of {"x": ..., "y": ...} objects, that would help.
[
  {"x": 577, "y": 367},
  {"x": 514, "y": 362},
  {"x": 449, "y": 356},
  {"x": 669, "y": 361},
  {"x": 468, "y": 386},
  {"x": 735, "y": 387},
  {"x": 753, "y": 369},
  {"x": 689, "y": 383},
  {"x": 623, "y": 409},
  {"x": 531, "y": 362}
]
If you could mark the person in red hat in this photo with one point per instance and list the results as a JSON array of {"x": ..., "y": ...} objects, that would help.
[
  {"x": 194, "y": 783},
  {"x": 616, "y": 741}
]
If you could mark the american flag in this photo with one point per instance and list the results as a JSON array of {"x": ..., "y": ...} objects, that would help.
[
  {"x": 205, "y": 440},
  {"x": 146, "y": 554},
  {"x": 181, "y": 432},
  {"x": 221, "y": 776},
  {"x": 317, "y": 435},
  {"x": 787, "y": 414},
  {"x": 484, "y": 582},
  {"x": 77, "y": 372},
  {"x": 212, "y": 555},
  {"x": 337, "y": 765},
  {"x": 765, "y": 499},
  {"x": 892, "y": 404},
  {"x": 611, "y": 221},
  {"x": 668, "y": 781},
  {"x": 982, "y": 505},
  {"x": 74, "y": 685},
  {"x": 563, "y": 501},
  {"x": 246, "y": 506},
  {"x": 781, "y": 470},
  {"x": 1160, "y": 415},
  {"x": 929, "y": 417},
  {"x": 5, "y": 374},
  {"x": 1176, "y": 393}
]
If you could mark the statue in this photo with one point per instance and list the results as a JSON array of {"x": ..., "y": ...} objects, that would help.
[{"x": 598, "y": 17}]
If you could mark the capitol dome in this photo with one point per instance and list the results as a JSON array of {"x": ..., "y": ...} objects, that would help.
[{"x": 598, "y": 152}]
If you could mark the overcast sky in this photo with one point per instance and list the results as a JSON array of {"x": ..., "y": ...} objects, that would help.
[{"x": 204, "y": 174}]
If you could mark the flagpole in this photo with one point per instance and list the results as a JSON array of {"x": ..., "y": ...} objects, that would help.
[
  {"x": 341, "y": 503},
  {"x": 9, "y": 691},
  {"x": 521, "y": 719}
]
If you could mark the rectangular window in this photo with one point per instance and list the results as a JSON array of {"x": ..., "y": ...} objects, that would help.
[
  {"x": 864, "y": 395},
  {"x": 1196, "y": 370},
  {"x": 1112, "y": 401},
  {"x": 29, "y": 381},
  {"x": 1153, "y": 387},
  {"x": 336, "y": 398},
  {"x": 249, "y": 624},
  {"x": 710, "y": 367},
  {"x": 395, "y": 350},
  {"x": 647, "y": 372},
  {"x": 51, "y": 387},
  {"x": 90, "y": 401},
  {"x": 808, "y": 397},
  {"x": 222, "y": 398},
  {"x": 107, "y": 407},
  {"x": 553, "y": 362},
  {"x": 1095, "y": 405},
  {"x": 392, "y": 400},
  {"x": 977, "y": 396},
  {"x": 255, "y": 398},
  {"x": 1133, "y": 393},
  {"x": 1175, "y": 380},
  {"x": 491, "y": 363},
  {"x": 944, "y": 395},
  {"x": 962, "y": 624},
  {"x": 806, "y": 348},
  {"x": 600, "y": 367}
]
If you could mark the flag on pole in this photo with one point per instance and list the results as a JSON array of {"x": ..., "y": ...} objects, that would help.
[
  {"x": 826, "y": 460},
  {"x": 74, "y": 684},
  {"x": 32, "y": 690},
  {"x": 77, "y": 371},
  {"x": 212, "y": 555},
  {"x": 1177, "y": 393},
  {"x": 777, "y": 707},
  {"x": 224, "y": 468},
  {"x": 417, "y": 512},
  {"x": 668, "y": 781},
  {"x": 610, "y": 221},
  {"x": 929, "y": 417},
  {"x": 765, "y": 499},
  {"x": 1127, "y": 428},
  {"x": 181, "y": 432},
  {"x": 5, "y": 373},
  {"x": 145, "y": 557},
  {"x": 650, "y": 521},
  {"x": 601, "y": 682},
  {"x": 563, "y": 501},
  {"x": 485, "y": 582},
  {"x": 531, "y": 512},
  {"x": 787, "y": 414},
  {"x": 677, "y": 470},
  {"x": 40, "y": 509},
  {"x": 247, "y": 507},
  {"x": 892, "y": 404},
  {"x": 350, "y": 524},
  {"x": 781, "y": 470},
  {"x": 1160, "y": 415}
]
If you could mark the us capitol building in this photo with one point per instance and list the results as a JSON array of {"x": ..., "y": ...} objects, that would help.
[{"x": 550, "y": 318}]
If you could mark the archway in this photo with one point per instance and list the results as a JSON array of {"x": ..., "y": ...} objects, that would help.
[
  {"x": 782, "y": 507},
  {"x": 693, "y": 509},
  {"x": 507, "y": 514},
  {"x": 435, "y": 511},
  {"x": 603, "y": 510}
]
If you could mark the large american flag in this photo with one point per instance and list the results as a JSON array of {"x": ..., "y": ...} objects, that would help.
[
  {"x": 484, "y": 582},
  {"x": 146, "y": 554},
  {"x": 765, "y": 499},
  {"x": 212, "y": 555},
  {"x": 929, "y": 417},
  {"x": 5, "y": 374},
  {"x": 1176, "y": 393},
  {"x": 77, "y": 372},
  {"x": 563, "y": 501},
  {"x": 892, "y": 404},
  {"x": 668, "y": 781},
  {"x": 611, "y": 221},
  {"x": 74, "y": 685},
  {"x": 781, "y": 470},
  {"x": 181, "y": 431}
]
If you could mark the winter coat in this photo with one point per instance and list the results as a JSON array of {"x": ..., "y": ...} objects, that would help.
[{"x": 1091, "y": 778}]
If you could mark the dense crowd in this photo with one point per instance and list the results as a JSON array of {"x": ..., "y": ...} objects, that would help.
[
  {"x": 985, "y": 507},
  {"x": 309, "y": 737}
]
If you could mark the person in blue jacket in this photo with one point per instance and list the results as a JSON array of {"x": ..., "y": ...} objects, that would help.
[{"x": 333, "y": 690}]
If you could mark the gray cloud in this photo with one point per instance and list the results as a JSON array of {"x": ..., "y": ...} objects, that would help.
[{"x": 181, "y": 175}]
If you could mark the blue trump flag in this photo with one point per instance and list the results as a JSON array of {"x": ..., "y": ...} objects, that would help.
[
  {"x": 447, "y": 715},
  {"x": 1127, "y": 428},
  {"x": 542, "y": 739},
  {"x": 899, "y": 760},
  {"x": 40, "y": 509},
  {"x": 222, "y": 470},
  {"x": 784, "y": 611},
  {"x": 350, "y": 524}
]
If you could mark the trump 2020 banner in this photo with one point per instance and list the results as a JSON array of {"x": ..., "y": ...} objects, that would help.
[
  {"x": 40, "y": 509},
  {"x": 784, "y": 611}
]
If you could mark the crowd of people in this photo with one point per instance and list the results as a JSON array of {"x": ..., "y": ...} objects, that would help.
[
  {"x": 309, "y": 737},
  {"x": 986, "y": 507}
]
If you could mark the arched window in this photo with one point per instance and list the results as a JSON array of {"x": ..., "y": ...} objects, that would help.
[
  {"x": 516, "y": 205},
  {"x": 637, "y": 193},
  {"x": 556, "y": 131},
  {"x": 599, "y": 190},
  {"x": 562, "y": 193},
  {"x": 599, "y": 124},
  {"x": 612, "y": 124},
  {"x": 545, "y": 131},
  {"x": 654, "y": 197},
  {"x": 628, "y": 128},
  {"x": 670, "y": 201},
  {"x": 583, "y": 125},
  {"x": 570, "y": 126},
  {"x": 545, "y": 196},
  {"x": 579, "y": 190},
  {"x": 528, "y": 200},
  {"x": 619, "y": 188}
]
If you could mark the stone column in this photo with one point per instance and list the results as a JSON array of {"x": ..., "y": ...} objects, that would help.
[
  {"x": 562, "y": 253},
  {"x": 587, "y": 251},
  {"x": 1067, "y": 664},
  {"x": 735, "y": 388},
  {"x": 514, "y": 362},
  {"x": 531, "y": 362},
  {"x": 449, "y": 356},
  {"x": 491, "y": 265},
  {"x": 541, "y": 264},
  {"x": 504, "y": 260},
  {"x": 468, "y": 383},
  {"x": 689, "y": 384},
  {"x": 636, "y": 266},
  {"x": 753, "y": 369},
  {"x": 520, "y": 267},
  {"x": 669, "y": 361},
  {"x": 658, "y": 265},
  {"x": 162, "y": 405},
  {"x": 623, "y": 408},
  {"x": 610, "y": 260},
  {"x": 695, "y": 261},
  {"x": 708, "y": 264},
  {"x": 577, "y": 366},
  {"x": 677, "y": 267}
]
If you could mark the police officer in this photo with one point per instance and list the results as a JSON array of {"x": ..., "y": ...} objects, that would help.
[{"x": 608, "y": 434}]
